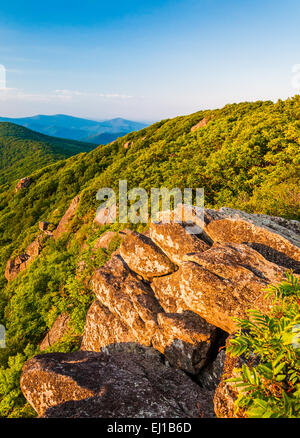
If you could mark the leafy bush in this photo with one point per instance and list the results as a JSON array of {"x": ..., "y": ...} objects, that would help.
[{"x": 269, "y": 382}]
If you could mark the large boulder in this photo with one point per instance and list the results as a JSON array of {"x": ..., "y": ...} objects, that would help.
[
  {"x": 64, "y": 224},
  {"x": 277, "y": 239},
  {"x": 144, "y": 257},
  {"x": 175, "y": 240},
  {"x": 127, "y": 297},
  {"x": 220, "y": 284},
  {"x": 16, "y": 265},
  {"x": 102, "y": 328},
  {"x": 115, "y": 385},
  {"x": 57, "y": 331}
]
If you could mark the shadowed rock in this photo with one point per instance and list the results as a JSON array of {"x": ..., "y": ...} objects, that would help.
[
  {"x": 116, "y": 385},
  {"x": 185, "y": 339},
  {"x": 210, "y": 376},
  {"x": 277, "y": 257}
]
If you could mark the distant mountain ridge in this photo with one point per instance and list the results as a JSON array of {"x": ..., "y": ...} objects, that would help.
[{"x": 76, "y": 128}]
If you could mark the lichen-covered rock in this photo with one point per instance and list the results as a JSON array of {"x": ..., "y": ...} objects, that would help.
[
  {"x": 102, "y": 328},
  {"x": 221, "y": 283},
  {"x": 167, "y": 291},
  {"x": 57, "y": 331},
  {"x": 276, "y": 238},
  {"x": 23, "y": 183},
  {"x": 185, "y": 339},
  {"x": 65, "y": 221},
  {"x": 127, "y": 297},
  {"x": 175, "y": 241},
  {"x": 144, "y": 257},
  {"x": 116, "y": 385}
]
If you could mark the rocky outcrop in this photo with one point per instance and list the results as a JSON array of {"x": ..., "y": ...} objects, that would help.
[
  {"x": 23, "y": 183},
  {"x": 57, "y": 331},
  {"x": 18, "y": 264},
  {"x": 67, "y": 218},
  {"x": 175, "y": 291},
  {"x": 127, "y": 144},
  {"x": 115, "y": 385}
]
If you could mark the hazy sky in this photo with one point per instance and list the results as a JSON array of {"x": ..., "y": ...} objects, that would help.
[{"x": 145, "y": 60}]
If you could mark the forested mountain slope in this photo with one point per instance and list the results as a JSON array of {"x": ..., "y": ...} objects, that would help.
[
  {"x": 23, "y": 151},
  {"x": 246, "y": 156}
]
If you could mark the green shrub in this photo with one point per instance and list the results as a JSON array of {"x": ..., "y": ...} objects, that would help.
[{"x": 271, "y": 388}]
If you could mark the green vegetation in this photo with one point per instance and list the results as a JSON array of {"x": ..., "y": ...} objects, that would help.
[
  {"x": 271, "y": 389},
  {"x": 23, "y": 151},
  {"x": 247, "y": 157}
]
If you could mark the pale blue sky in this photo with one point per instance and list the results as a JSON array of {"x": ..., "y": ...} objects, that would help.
[{"x": 145, "y": 60}]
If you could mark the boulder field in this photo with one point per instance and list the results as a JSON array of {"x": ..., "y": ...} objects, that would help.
[{"x": 165, "y": 304}]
